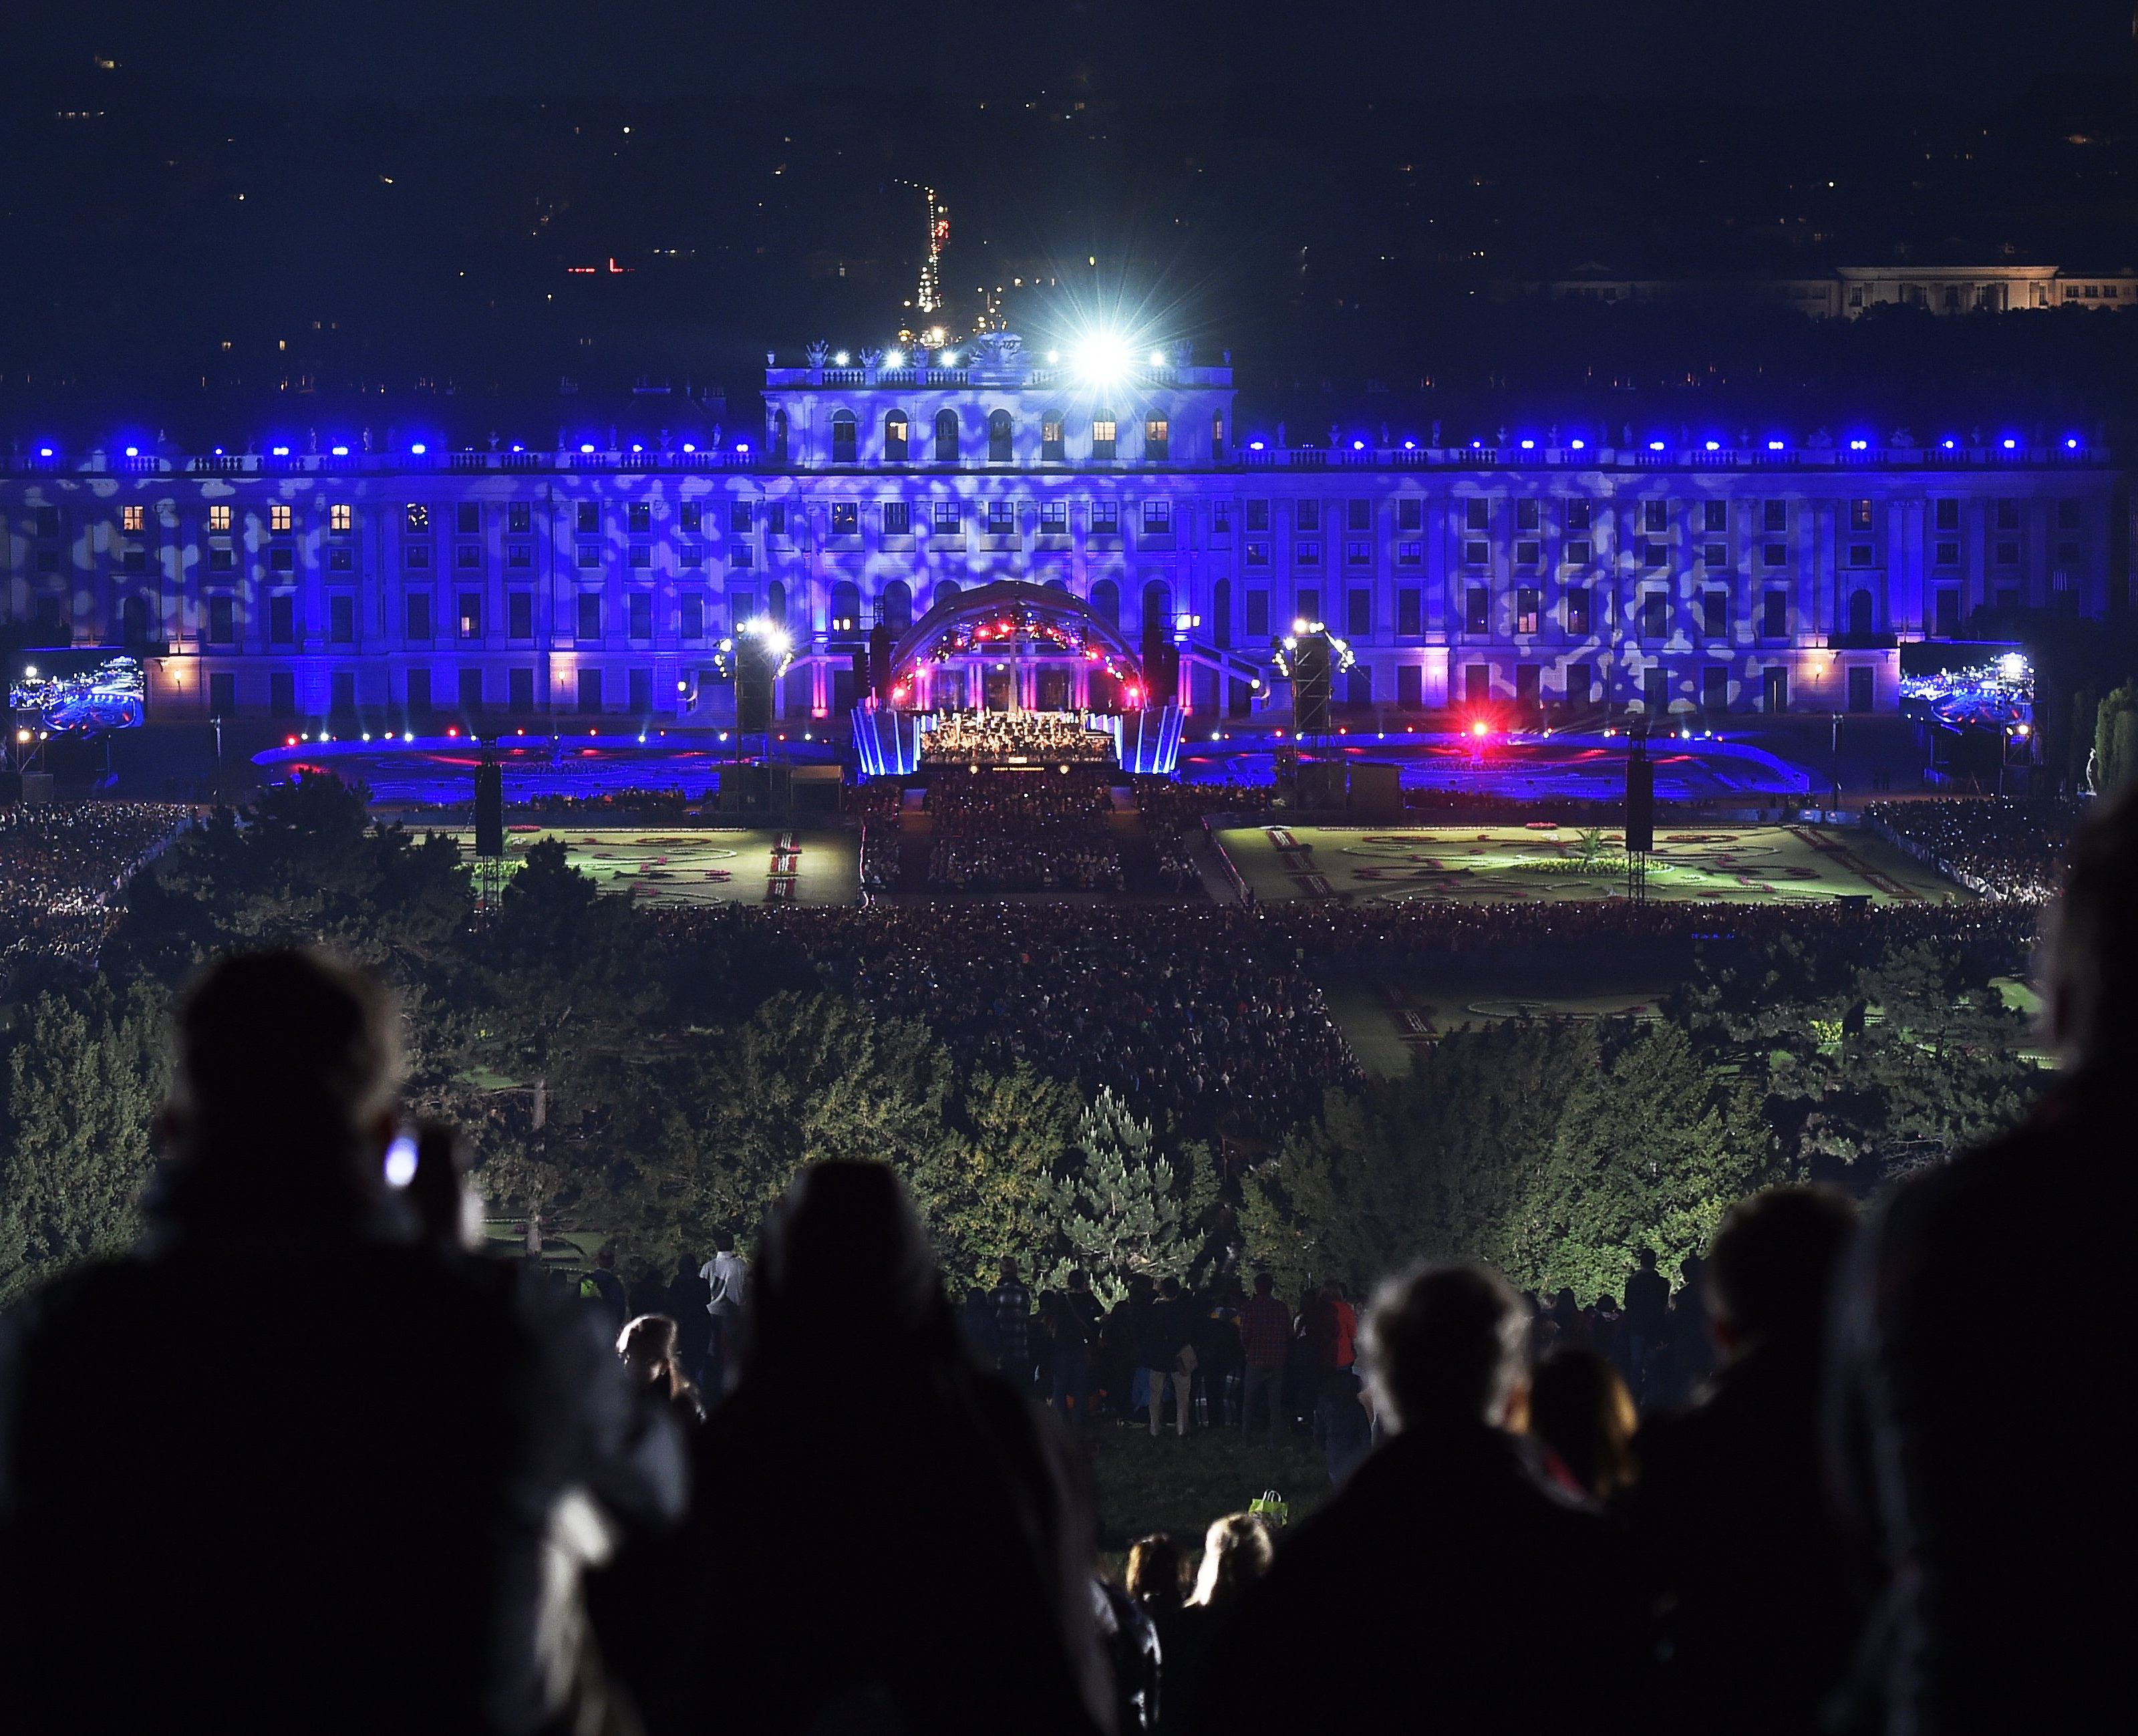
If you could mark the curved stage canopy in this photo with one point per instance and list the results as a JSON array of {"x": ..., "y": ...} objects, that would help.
[{"x": 1011, "y": 643}]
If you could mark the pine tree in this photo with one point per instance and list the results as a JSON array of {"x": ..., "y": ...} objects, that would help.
[{"x": 1124, "y": 1209}]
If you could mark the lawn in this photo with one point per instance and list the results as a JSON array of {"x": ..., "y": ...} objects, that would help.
[
  {"x": 656, "y": 868},
  {"x": 1179, "y": 1485},
  {"x": 1492, "y": 865}
]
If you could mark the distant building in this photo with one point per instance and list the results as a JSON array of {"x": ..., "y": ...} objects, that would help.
[
  {"x": 390, "y": 590},
  {"x": 1850, "y": 291}
]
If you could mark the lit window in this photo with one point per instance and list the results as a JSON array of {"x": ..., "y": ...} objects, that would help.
[
  {"x": 219, "y": 518},
  {"x": 418, "y": 520},
  {"x": 1157, "y": 438},
  {"x": 281, "y": 518},
  {"x": 1103, "y": 435},
  {"x": 133, "y": 518},
  {"x": 341, "y": 516}
]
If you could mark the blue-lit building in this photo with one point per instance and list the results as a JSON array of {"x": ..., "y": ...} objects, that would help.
[{"x": 1614, "y": 569}]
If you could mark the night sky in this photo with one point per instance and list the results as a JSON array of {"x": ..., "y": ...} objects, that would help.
[{"x": 374, "y": 206}]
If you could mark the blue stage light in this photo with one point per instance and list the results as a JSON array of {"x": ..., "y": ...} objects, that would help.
[
  {"x": 2009, "y": 443},
  {"x": 1528, "y": 446},
  {"x": 1774, "y": 445},
  {"x": 1655, "y": 446},
  {"x": 418, "y": 448},
  {"x": 133, "y": 452},
  {"x": 1579, "y": 445}
]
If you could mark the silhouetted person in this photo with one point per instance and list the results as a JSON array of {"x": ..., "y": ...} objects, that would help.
[
  {"x": 1236, "y": 1554},
  {"x": 1988, "y": 1477},
  {"x": 883, "y": 1531},
  {"x": 1583, "y": 1415},
  {"x": 1646, "y": 1319},
  {"x": 1266, "y": 1344},
  {"x": 346, "y": 1515},
  {"x": 1412, "y": 1586},
  {"x": 1736, "y": 1534},
  {"x": 1013, "y": 1309},
  {"x": 689, "y": 1306},
  {"x": 1074, "y": 1318},
  {"x": 647, "y": 1348},
  {"x": 1169, "y": 1354}
]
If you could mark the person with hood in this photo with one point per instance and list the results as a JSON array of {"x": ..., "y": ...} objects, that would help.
[{"x": 886, "y": 1535}]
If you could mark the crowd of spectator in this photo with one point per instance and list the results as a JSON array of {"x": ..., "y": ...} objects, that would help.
[
  {"x": 984, "y": 738},
  {"x": 1175, "y": 850},
  {"x": 1847, "y": 1495},
  {"x": 1205, "y": 1012},
  {"x": 64, "y": 864},
  {"x": 1166, "y": 801},
  {"x": 2011, "y": 851},
  {"x": 1023, "y": 831}
]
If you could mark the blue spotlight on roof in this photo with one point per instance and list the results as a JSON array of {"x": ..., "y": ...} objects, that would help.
[
  {"x": 418, "y": 447},
  {"x": 1858, "y": 446},
  {"x": 1254, "y": 446},
  {"x": 2071, "y": 442},
  {"x": 341, "y": 451},
  {"x": 742, "y": 446},
  {"x": 1948, "y": 442},
  {"x": 1579, "y": 445},
  {"x": 586, "y": 446},
  {"x": 1476, "y": 446},
  {"x": 637, "y": 447},
  {"x": 518, "y": 447},
  {"x": 46, "y": 451},
  {"x": 1358, "y": 446},
  {"x": 690, "y": 445},
  {"x": 1410, "y": 445}
]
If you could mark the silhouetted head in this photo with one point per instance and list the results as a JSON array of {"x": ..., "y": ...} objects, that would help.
[
  {"x": 724, "y": 1241},
  {"x": 2094, "y": 929},
  {"x": 1647, "y": 1257},
  {"x": 1169, "y": 1288},
  {"x": 1581, "y": 1410},
  {"x": 1006, "y": 1270},
  {"x": 1236, "y": 1553},
  {"x": 1264, "y": 1283},
  {"x": 647, "y": 1346},
  {"x": 1157, "y": 1573},
  {"x": 1447, "y": 1344},
  {"x": 282, "y": 1107},
  {"x": 844, "y": 1268},
  {"x": 1771, "y": 1266},
  {"x": 1078, "y": 1283}
]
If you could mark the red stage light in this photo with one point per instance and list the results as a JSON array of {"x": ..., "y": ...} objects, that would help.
[
  {"x": 452, "y": 732},
  {"x": 1477, "y": 730}
]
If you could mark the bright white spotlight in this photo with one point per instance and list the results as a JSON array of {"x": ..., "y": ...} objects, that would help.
[
  {"x": 1158, "y": 358},
  {"x": 1103, "y": 359},
  {"x": 401, "y": 1161}
]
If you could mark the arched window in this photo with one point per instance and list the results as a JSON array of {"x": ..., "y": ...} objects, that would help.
[
  {"x": 1157, "y": 608},
  {"x": 1221, "y": 614},
  {"x": 897, "y": 432},
  {"x": 1859, "y": 613},
  {"x": 1000, "y": 431},
  {"x": 895, "y": 607},
  {"x": 843, "y": 442},
  {"x": 779, "y": 437},
  {"x": 134, "y": 622},
  {"x": 1052, "y": 448},
  {"x": 1218, "y": 434},
  {"x": 1157, "y": 439},
  {"x": 1107, "y": 601},
  {"x": 945, "y": 590},
  {"x": 845, "y": 607},
  {"x": 1103, "y": 431},
  {"x": 776, "y": 602},
  {"x": 946, "y": 436}
]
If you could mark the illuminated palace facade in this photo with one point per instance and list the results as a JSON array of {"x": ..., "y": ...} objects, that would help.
[{"x": 1621, "y": 571}]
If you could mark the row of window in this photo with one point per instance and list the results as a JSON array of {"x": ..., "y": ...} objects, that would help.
[
  {"x": 420, "y": 702},
  {"x": 946, "y": 438},
  {"x": 1575, "y": 517}
]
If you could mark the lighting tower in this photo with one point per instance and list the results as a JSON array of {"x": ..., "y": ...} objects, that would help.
[{"x": 930, "y": 298}]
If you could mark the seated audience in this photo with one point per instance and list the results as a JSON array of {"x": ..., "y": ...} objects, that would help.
[
  {"x": 885, "y": 1535},
  {"x": 1744, "y": 1559},
  {"x": 1409, "y": 1590},
  {"x": 346, "y": 1515},
  {"x": 1980, "y": 1460}
]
